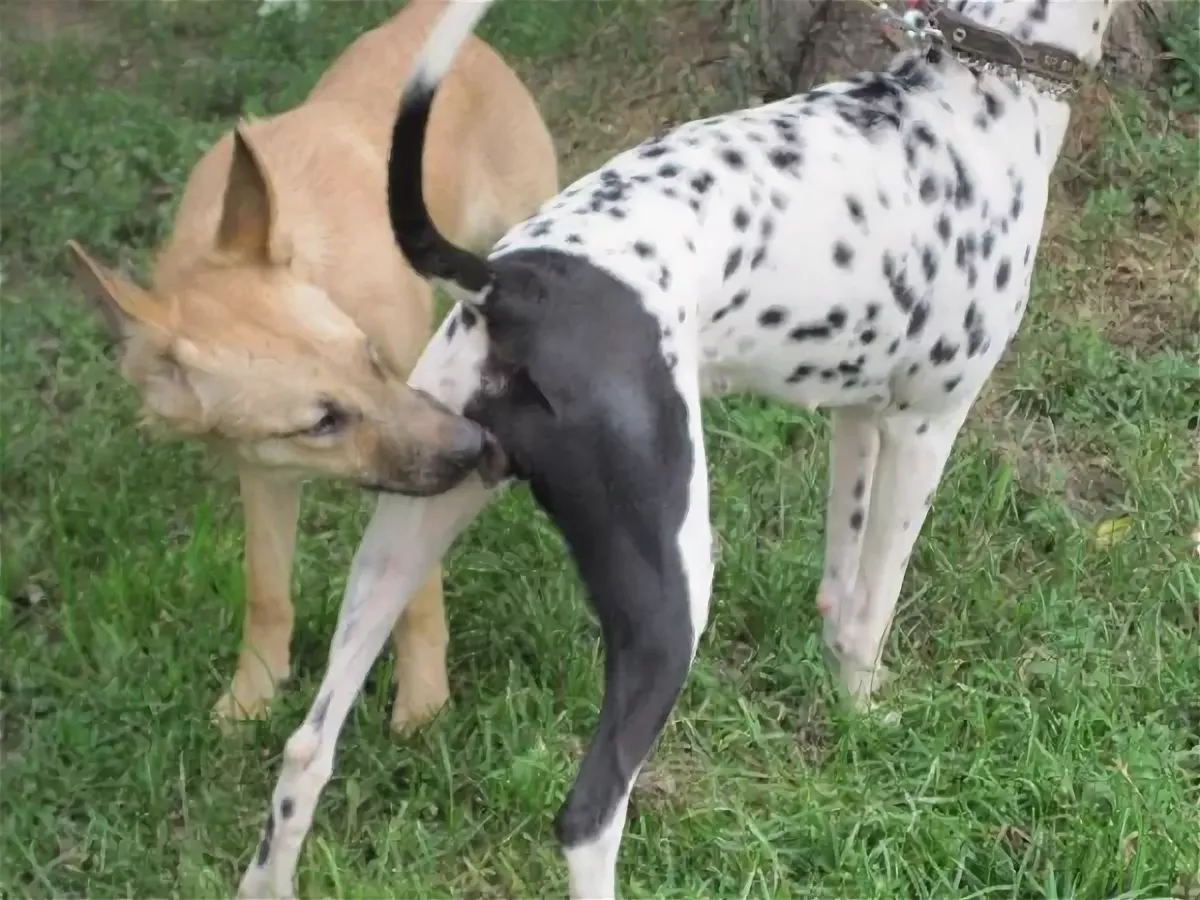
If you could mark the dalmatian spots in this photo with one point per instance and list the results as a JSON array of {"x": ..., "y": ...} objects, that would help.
[
  {"x": 1003, "y": 273},
  {"x": 841, "y": 303},
  {"x": 772, "y": 316},
  {"x": 732, "y": 262}
]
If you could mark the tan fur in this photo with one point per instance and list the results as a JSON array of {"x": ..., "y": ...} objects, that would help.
[{"x": 281, "y": 291}]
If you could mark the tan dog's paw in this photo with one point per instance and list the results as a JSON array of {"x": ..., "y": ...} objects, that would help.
[
  {"x": 247, "y": 698},
  {"x": 418, "y": 703}
]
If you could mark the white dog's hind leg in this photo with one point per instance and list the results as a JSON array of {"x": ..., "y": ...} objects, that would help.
[
  {"x": 913, "y": 451},
  {"x": 404, "y": 539}
]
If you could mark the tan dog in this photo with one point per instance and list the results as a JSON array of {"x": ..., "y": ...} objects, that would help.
[{"x": 283, "y": 321}]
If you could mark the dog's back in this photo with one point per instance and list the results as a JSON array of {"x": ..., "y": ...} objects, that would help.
[{"x": 326, "y": 165}]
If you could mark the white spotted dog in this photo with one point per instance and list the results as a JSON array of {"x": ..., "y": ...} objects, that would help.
[{"x": 865, "y": 247}]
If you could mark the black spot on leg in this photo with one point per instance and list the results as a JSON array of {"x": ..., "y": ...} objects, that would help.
[
  {"x": 642, "y": 249},
  {"x": 741, "y": 219},
  {"x": 772, "y": 316},
  {"x": 733, "y": 158},
  {"x": 893, "y": 347},
  {"x": 664, "y": 277},
  {"x": 860, "y": 488},
  {"x": 468, "y": 318},
  {"x": 867, "y": 336},
  {"x": 452, "y": 328},
  {"x": 800, "y": 373},
  {"x": 872, "y": 311},
  {"x": 856, "y": 520},
  {"x": 884, "y": 200},
  {"x": 855, "y": 207},
  {"x": 574, "y": 239},
  {"x": 759, "y": 256},
  {"x": 1037, "y": 141},
  {"x": 287, "y": 806},
  {"x": 928, "y": 189},
  {"x": 321, "y": 708},
  {"x": 1028, "y": 253},
  {"x": 264, "y": 846},
  {"x": 989, "y": 241},
  {"x": 668, "y": 170},
  {"x": 922, "y": 428},
  {"x": 732, "y": 262},
  {"x": 952, "y": 384},
  {"x": 837, "y": 317},
  {"x": 843, "y": 255},
  {"x": 779, "y": 201}
]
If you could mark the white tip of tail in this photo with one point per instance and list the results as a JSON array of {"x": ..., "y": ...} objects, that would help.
[{"x": 456, "y": 23}]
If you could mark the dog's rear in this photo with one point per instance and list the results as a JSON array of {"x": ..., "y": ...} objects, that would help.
[{"x": 282, "y": 322}]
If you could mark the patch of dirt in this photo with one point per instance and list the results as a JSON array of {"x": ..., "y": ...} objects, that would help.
[
  {"x": 1047, "y": 464},
  {"x": 1136, "y": 284},
  {"x": 40, "y": 20},
  {"x": 601, "y": 101}
]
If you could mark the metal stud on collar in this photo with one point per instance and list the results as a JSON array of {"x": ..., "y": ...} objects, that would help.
[{"x": 914, "y": 22}]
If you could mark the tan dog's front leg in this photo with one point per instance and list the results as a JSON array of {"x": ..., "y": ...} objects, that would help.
[
  {"x": 271, "y": 504},
  {"x": 420, "y": 637}
]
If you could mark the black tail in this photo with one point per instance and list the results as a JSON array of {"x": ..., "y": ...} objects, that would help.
[{"x": 425, "y": 248}]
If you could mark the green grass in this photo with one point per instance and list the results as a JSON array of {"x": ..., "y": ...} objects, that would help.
[{"x": 1042, "y": 739}]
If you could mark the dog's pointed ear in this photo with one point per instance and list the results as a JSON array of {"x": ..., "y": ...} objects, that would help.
[
  {"x": 122, "y": 304},
  {"x": 248, "y": 208}
]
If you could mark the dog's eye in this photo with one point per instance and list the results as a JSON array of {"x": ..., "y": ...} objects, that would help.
[{"x": 333, "y": 420}]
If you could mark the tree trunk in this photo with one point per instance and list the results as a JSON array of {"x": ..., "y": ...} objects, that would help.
[{"x": 804, "y": 42}]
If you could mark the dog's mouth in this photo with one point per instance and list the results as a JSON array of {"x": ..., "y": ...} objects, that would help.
[{"x": 492, "y": 465}]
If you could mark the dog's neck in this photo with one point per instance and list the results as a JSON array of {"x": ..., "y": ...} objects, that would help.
[{"x": 1076, "y": 26}]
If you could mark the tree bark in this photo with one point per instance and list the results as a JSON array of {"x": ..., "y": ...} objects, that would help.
[{"x": 804, "y": 42}]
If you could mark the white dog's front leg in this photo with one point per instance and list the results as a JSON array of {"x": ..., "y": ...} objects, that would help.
[
  {"x": 912, "y": 457},
  {"x": 404, "y": 538}
]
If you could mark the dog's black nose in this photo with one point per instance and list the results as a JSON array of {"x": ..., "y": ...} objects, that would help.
[{"x": 466, "y": 441}]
